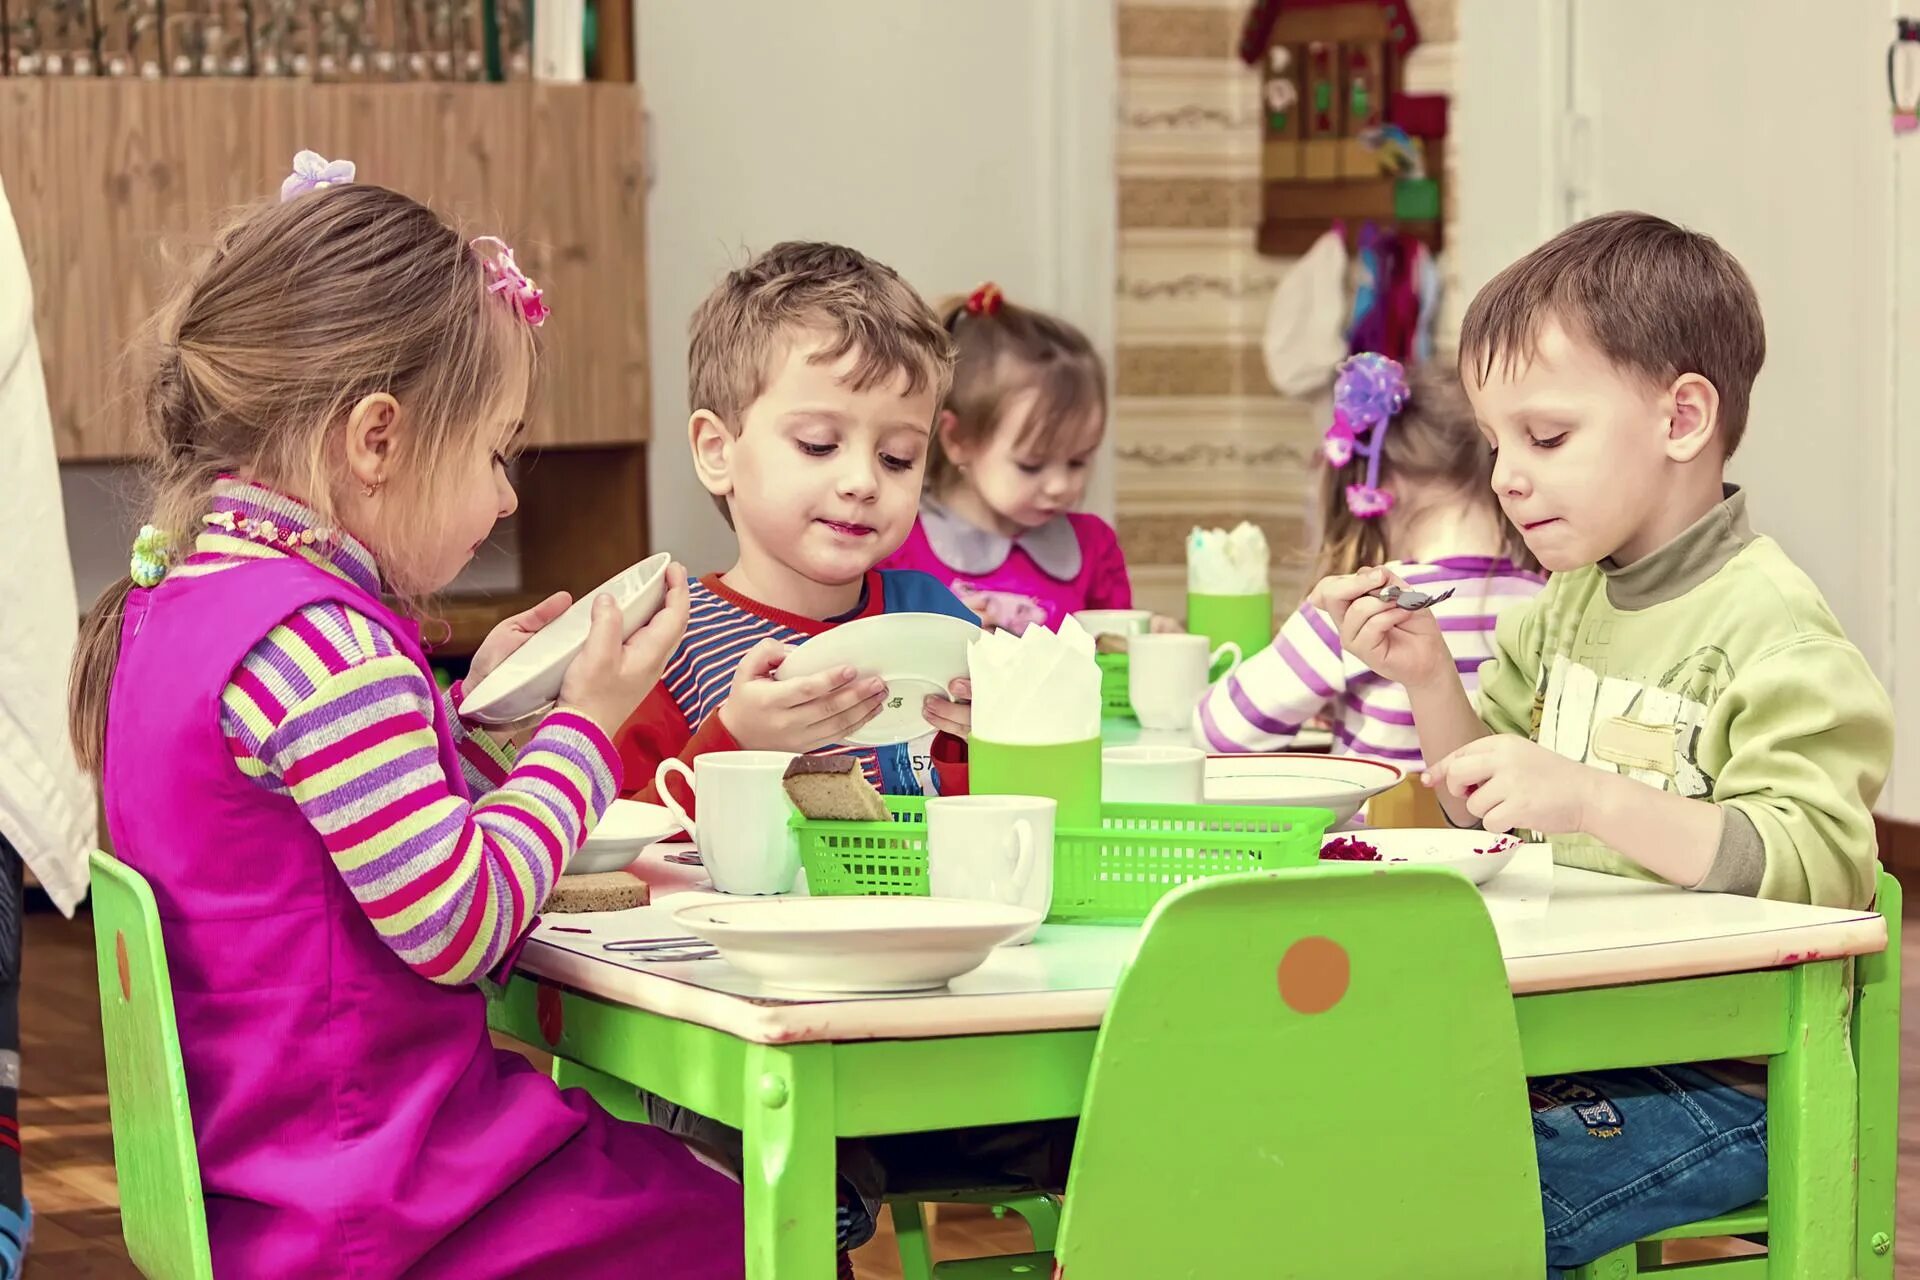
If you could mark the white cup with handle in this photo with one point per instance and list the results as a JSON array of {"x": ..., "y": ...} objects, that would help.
[
  {"x": 1153, "y": 775},
  {"x": 993, "y": 849},
  {"x": 742, "y": 833},
  {"x": 1167, "y": 676}
]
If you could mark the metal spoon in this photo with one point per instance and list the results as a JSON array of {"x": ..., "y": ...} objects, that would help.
[{"x": 1409, "y": 599}]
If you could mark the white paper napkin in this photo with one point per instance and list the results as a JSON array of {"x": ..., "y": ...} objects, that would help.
[
  {"x": 1227, "y": 564},
  {"x": 1037, "y": 688}
]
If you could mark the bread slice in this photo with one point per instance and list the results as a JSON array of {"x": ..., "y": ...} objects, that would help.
[
  {"x": 599, "y": 891},
  {"x": 834, "y": 789}
]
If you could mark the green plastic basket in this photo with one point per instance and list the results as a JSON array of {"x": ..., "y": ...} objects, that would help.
[
  {"x": 1118, "y": 873},
  {"x": 1115, "y": 704}
]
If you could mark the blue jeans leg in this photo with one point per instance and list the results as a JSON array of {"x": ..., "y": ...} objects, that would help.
[{"x": 1624, "y": 1154}]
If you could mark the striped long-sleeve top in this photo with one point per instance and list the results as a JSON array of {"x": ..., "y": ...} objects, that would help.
[
  {"x": 327, "y": 709},
  {"x": 1305, "y": 671}
]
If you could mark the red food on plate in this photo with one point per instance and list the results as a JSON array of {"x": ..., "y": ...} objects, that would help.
[{"x": 1348, "y": 849}]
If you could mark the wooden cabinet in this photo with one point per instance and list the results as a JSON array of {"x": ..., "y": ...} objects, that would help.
[
  {"x": 112, "y": 180},
  {"x": 106, "y": 177}
]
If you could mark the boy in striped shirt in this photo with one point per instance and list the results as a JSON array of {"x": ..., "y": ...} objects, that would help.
[{"x": 815, "y": 374}]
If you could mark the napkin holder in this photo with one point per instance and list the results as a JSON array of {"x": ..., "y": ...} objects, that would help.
[
  {"x": 1247, "y": 620},
  {"x": 1067, "y": 772}
]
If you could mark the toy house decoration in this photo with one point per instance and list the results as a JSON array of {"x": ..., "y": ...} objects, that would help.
[{"x": 1340, "y": 142}]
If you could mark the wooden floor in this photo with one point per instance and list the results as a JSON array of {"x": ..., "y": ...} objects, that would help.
[{"x": 69, "y": 1146}]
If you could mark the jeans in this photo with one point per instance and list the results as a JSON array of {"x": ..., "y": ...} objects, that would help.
[{"x": 1624, "y": 1154}]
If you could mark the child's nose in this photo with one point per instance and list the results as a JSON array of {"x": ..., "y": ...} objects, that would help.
[
  {"x": 509, "y": 499},
  {"x": 1508, "y": 477},
  {"x": 859, "y": 478}
]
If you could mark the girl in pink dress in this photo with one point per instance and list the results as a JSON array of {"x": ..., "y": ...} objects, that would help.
[
  {"x": 337, "y": 859},
  {"x": 1012, "y": 451}
]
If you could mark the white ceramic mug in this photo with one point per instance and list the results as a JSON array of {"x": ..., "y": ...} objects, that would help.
[
  {"x": 742, "y": 834},
  {"x": 1167, "y": 676},
  {"x": 1115, "y": 622},
  {"x": 1153, "y": 775},
  {"x": 992, "y": 848}
]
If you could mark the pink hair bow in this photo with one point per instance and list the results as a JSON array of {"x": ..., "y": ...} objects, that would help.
[
  {"x": 504, "y": 277},
  {"x": 314, "y": 172}
]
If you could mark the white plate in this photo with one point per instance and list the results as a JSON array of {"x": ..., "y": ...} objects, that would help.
[
  {"x": 1115, "y": 622},
  {"x": 917, "y": 654},
  {"x": 1441, "y": 847},
  {"x": 856, "y": 944},
  {"x": 1339, "y": 783},
  {"x": 528, "y": 681},
  {"x": 624, "y": 832}
]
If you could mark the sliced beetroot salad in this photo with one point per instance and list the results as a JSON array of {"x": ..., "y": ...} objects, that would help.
[
  {"x": 1501, "y": 845},
  {"x": 1348, "y": 849}
]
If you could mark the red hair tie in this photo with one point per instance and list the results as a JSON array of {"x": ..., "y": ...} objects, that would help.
[{"x": 986, "y": 300}]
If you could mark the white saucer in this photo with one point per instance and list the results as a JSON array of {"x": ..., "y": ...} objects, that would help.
[
  {"x": 1339, "y": 783},
  {"x": 623, "y": 833},
  {"x": 1460, "y": 851},
  {"x": 856, "y": 944},
  {"x": 917, "y": 654},
  {"x": 528, "y": 681}
]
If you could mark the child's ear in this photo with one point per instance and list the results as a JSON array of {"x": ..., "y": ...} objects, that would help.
[
  {"x": 947, "y": 428},
  {"x": 1696, "y": 417},
  {"x": 712, "y": 452},
  {"x": 372, "y": 439}
]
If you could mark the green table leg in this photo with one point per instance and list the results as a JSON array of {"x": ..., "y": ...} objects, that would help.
[
  {"x": 789, "y": 1157},
  {"x": 1812, "y": 1137}
]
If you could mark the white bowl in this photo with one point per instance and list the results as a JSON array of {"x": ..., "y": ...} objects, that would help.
[
  {"x": 1300, "y": 779},
  {"x": 917, "y": 654},
  {"x": 528, "y": 681},
  {"x": 623, "y": 834},
  {"x": 856, "y": 944},
  {"x": 1477, "y": 855}
]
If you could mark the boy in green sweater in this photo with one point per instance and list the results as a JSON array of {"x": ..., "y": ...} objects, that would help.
[{"x": 1679, "y": 703}]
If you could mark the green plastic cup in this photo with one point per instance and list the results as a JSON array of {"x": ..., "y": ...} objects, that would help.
[
  {"x": 1246, "y": 620},
  {"x": 1069, "y": 772}
]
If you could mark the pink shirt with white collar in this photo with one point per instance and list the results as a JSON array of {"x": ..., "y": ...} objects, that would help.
[{"x": 1072, "y": 562}]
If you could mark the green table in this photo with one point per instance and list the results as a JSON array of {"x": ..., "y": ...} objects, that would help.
[{"x": 1606, "y": 972}]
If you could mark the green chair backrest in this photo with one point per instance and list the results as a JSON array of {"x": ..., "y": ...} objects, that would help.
[
  {"x": 162, "y": 1209},
  {"x": 1312, "y": 1072}
]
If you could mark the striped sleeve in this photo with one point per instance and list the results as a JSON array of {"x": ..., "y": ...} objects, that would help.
[
  {"x": 448, "y": 883},
  {"x": 485, "y": 761},
  {"x": 1263, "y": 705}
]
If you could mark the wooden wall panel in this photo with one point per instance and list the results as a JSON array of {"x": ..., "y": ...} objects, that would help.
[{"x": 108, "y": 179}]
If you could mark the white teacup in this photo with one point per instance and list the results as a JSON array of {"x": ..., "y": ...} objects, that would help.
[
  {"x": 1167, "y": 676},
  {"x": 1115, "y": 622},
  {"x": 994, "y": 849},
  {"x": 742, "y": 834},
  {"x": 1153, "y": 775}
]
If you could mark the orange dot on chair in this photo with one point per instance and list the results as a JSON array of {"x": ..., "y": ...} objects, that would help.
[{"x": 1313, "y": 975}]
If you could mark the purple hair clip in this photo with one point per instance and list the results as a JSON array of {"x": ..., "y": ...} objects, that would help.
[
  {"x": 505, "y": 278},
  {"x": 1369, "y": 391},
  {"x": 314, "y": 172}
]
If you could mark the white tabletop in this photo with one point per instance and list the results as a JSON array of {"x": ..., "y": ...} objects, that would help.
[
  {"x": 1129, "y": 733},
  {"x": 1559, "y": 929}
]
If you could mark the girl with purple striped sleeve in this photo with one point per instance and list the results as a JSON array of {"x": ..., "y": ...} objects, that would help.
[
  {"x": 1408, "y": 484},
  {"x": 332, "y": 398}
]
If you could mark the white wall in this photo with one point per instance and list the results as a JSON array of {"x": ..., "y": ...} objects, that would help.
[
  {"x": 1574, "y": 107},
  {"x": 955, "y": 142}
]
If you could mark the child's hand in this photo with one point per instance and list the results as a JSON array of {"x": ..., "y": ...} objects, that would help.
[
  {"x": 765, "y": 714},
  {"x": 511, "y": 634},
  {"x": 1511, "y": 783},
  {"x": 1403, "y": 645},
  {"x": 609, "y": 678},
  {"x": 1161, "y": 625},
  {"x": 952, "y": 714}
]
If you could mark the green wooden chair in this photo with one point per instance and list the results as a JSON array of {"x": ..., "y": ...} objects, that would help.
[
  {"x": 1311, "y": 1072},
  {"x": 1876, "y": 1057},
  {"x": 162, "y": 1209}
]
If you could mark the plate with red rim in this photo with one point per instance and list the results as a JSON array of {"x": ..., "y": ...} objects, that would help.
[
  {"x": 917, "y": 654},
  {"x": 1300, "y": 779}
]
